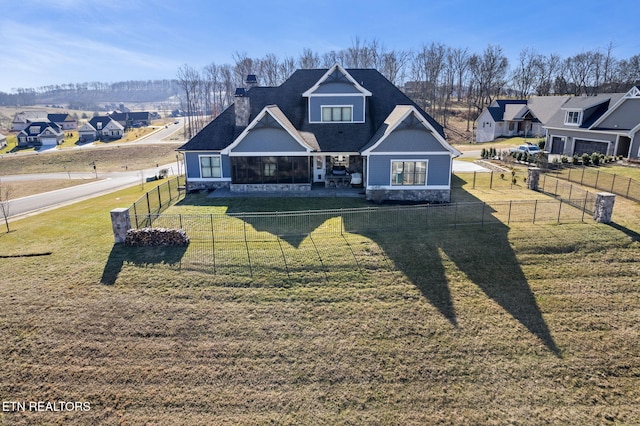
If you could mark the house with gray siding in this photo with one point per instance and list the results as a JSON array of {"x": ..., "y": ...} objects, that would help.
[
  {"x": 40, "y": 133},
  {"x": 326, "y": 127},
  {"x": 607, "y": 123},
  {"x": 516, "y": 117}
]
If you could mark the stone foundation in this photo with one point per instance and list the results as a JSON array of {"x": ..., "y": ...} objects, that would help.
[
  {"x": 416, "y": 196},
  {"x": 199, "y": 186},
  {"x": 270, "y": 187}
]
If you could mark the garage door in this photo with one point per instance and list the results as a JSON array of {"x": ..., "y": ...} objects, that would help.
[{"x": 590, "y": 147}]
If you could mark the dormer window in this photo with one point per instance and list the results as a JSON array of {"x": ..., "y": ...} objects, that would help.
[
  {"x": 337, "y": 98},
  {"x": 573, "y": 118},
  {"x": 337, "y": 113}
]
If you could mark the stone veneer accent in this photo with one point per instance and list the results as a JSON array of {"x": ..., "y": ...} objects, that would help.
[
  {"x": 121, "y": 223},
  {"x": 270, "y": 187},
  {"x": 533, "y": 178},
  {"x": 418, "y": 195},
  {"x": 196, "y": 186},
  {"x": 604, "y": 207}
]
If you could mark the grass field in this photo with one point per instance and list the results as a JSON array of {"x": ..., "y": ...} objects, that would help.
[
  {"x": 107, "y": 159},
  {"x": 526, "y": 324}
]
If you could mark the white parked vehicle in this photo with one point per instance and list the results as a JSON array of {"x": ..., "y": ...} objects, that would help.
[{"x": 527, "y": 149}]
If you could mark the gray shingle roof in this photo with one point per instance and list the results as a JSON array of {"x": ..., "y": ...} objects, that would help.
[
  {"x": 339, "y": 137},
  {"x": 593, "y": 107}
]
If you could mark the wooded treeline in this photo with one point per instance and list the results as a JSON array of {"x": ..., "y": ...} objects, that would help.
[
  {"x": 434, "y": 76},
  {"x": 88, "y": 96}
]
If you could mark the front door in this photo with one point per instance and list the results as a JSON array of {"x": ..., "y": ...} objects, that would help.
[{"x": 319, "y": 168}]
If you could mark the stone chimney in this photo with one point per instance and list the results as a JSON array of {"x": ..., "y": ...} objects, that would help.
[{"x": 241, "y": 106}]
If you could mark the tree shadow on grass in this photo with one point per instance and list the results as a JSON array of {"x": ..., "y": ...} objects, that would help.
[
  {"x": 139, "y": 256},
  {"x": 417, "y": 246}
]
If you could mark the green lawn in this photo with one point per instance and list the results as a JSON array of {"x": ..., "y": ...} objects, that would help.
[
  {"x": 520, "y": 324},
  {"x": 107, "y": 159}
]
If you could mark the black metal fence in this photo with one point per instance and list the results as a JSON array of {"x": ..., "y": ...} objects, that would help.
[
  {"x": 156, "y": 201},
  {"x": 303, "y": 243},
  {"x": 599, "y": 179},
  {"x": 491, "y": 180},
  {"x": 261, "y": 226},
  {"x": 568, "y": 193}
]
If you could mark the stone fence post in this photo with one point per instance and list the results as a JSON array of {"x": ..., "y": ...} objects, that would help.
[
  {"x": 121, "y": 223},
  {"x": 533, "y": 178},
  {"x": 604, "y": 207}
]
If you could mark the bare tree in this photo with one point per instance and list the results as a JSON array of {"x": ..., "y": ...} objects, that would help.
[
  {"x": 189, "y": 81},
  {"x": 526, "y": 75},
  {"x": 549, "y": 68},
  {"x": 269, "y": 70},
  {"x": 5, "y": 194},
  {"x": 488, "y": 73},
  {"x": 581, "y": 71},
  {"x": 427, "y": 68},
  {"x": 629, "y": 72},
  {"x": 460, "y": 64},
  {"x": 308, "y": 59},
  {"x": 243, "y": 66},
  {"x": 227, "y": 85},
  {"x": 287, "y": 67},
  {"x": 394, "y": 64}
]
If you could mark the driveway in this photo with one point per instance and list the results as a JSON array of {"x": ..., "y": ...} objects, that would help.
[{"x": 465, "y": 166}]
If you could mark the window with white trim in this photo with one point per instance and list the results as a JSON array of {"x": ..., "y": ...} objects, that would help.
[
  {"x": 573, "y": 117},
  {"x": 408, "y": 173},
  {"x": 210, "y": 167},
  {"x": 337, "y": 113}
]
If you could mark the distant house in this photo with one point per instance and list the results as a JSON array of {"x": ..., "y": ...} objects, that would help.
[
  {"x": 40, "y": 133},
  {"x": 105, "y": 128},
  {"x": 325, "y": 127},
  {"x": 22, "y": 119},
  {"x": 64, "y": 120},
  {"x": 516, "y": 117},
  {"x": 87, "y": 133},
  {"x": 607, "y": 123},
  {"x": 132, "y": 119}
]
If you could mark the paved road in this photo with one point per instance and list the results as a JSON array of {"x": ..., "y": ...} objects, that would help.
[{"x": 109, "y": 182}]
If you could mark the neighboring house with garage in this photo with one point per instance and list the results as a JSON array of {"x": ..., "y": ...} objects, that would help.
[
  {"x": 607, "y": 123},
  {"x": 64, "y": 120},
  {"x": 320, "y": 127},
  {"x": 516, "y": 117},
  {"x": 22, "y": 119},
  {"x": 105, "y": 129},
  {"x": 132, "y": 119},
  {"x": 40, "y": 133}
]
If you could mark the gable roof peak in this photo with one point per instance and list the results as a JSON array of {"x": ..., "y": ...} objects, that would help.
[{"x": 333, "y": 74}]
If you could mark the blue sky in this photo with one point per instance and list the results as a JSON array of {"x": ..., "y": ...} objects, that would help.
[{"x": 45, "y": 42}]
